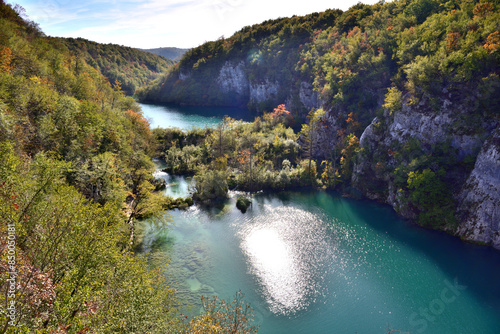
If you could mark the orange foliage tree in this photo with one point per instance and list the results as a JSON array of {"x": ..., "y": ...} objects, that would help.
[
  {"x": 281, "y": 115},
  {"x": 5, "y": 59},
  {"x": 492, "y": 42}
]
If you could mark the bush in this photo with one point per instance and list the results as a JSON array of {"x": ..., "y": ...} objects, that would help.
[
  {"x": 430, "y": 195},
  {"x": 223, "y": 317},
  {"x": 185, "y": 161},
  {"x": 210, "y": 186},
  {"x": 243, "y": 203}
]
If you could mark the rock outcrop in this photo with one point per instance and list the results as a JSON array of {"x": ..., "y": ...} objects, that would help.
[
  {"x": 308, "y": 97},
  {"x": 479, "y": 209},
  {"x": 449, "y": 124},
  {"x": 263, "y": 91},
  {"x": 232, "y": 78},
  {"x": 184, "y": 75},
  {"x": 233, "y": 86}
]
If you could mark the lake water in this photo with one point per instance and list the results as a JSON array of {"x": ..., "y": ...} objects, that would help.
[
  {"x": 188, "y": 117},
  {"x": 315, "y": 262}
]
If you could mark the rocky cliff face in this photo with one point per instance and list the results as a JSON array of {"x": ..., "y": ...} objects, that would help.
[
  {"x": 183, "y": 75},
  {"x": 418, "y": 130},
  {"x": 400, "y": 141},
  {"x": 233, "y": 81},
  {"x": 433, "y": 125},
  {"x": 479, "y": 208},
  {"x": 325, "y": 139},
  {"x": 263, "y": 91},
  {"x": 308, "y": 97},
  {"x": 232, "y": 78}
]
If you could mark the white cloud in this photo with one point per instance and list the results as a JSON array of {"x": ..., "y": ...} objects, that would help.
[{"x": 156, "y": 23}]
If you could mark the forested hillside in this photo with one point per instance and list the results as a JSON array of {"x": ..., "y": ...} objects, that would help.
[
  {"x": 75, "y": 172},
  {"x": 75, "y": 175},
  {"x": 341, "y": 59},
  {"x": 132, "y": 67},
  {"x": 402, "y": 97}
]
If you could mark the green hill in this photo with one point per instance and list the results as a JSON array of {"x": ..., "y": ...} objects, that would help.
[
  {"x": 132, "y": 67},
  {"x": 338, "y": 58}
]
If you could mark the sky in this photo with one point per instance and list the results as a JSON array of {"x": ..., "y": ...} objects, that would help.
[{"x": 163, "y": 23}]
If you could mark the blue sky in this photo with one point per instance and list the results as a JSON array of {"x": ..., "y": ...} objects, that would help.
[{"x": 161, "y": 23}]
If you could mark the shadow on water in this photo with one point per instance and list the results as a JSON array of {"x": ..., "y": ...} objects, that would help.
[
  {"x": 216, "y": 208},
  {"x": 215, "y": 112},
  {"x": 474, "y": 266},
  {"x": 152, "y": 236}
]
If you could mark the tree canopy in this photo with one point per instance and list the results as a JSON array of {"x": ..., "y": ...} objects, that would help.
[{"x": 75, "y": 168}]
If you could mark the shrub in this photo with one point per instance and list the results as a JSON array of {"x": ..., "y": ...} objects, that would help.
[
  {"x": 430, "y": 195},
  {"x": 210, "y": 186},
  {"x": 243, "y": 203}
]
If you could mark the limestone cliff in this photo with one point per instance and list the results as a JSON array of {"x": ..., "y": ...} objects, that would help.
[
  {"x": 441, "y": 135},
  {"x": 232, "y": 78},
  {"x": 479, "y": 208},
  {"x": 232, "y": 81},
  {"x": 263, "y": 91}
]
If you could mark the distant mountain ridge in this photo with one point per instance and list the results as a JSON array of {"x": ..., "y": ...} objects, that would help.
[{"x": 171, "y": 53}]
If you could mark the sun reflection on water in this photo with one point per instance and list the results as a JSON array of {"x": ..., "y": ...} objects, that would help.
[
  {"x": 272, "y": 260},
  {"x": 288, "y": 252}
]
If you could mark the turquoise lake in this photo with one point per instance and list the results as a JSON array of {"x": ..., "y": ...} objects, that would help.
[
  {"x": 188, "y": 117},
  {"x": 316, "y": 262}
]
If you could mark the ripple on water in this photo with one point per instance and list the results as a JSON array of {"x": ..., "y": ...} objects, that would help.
[{"x": 288, "y": 250}]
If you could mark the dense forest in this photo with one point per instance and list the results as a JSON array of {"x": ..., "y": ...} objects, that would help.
[
  {"x": 75, "y": 174},
  {"x": 131, "y": 67},
  {"x": 395, "y": 101},
  {"x": 262, "y": 155},
  {"x": 74, "y": 170}
]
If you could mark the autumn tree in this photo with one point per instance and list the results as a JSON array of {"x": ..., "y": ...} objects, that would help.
[
  {"x": 351, "y": 148},
  {"x": 309, "y": 134},
  {"x": 281, "y": 115},
  {"x": 72, "y": 272},
  {"x": 220, "y": 316},
  {"x": 74, "y": 154},
  {"x": 5, "y": 59},
  {"x": 246, "y": 161},
  {"x": 221, "y": 137}
]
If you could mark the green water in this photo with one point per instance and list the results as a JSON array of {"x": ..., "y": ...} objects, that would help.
[
  {"x": 315, "y": 262},
  {"x": 176, "y": 186},
  {"x": 187, "y": 117},
  {"x": 320, "y": 263}
]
